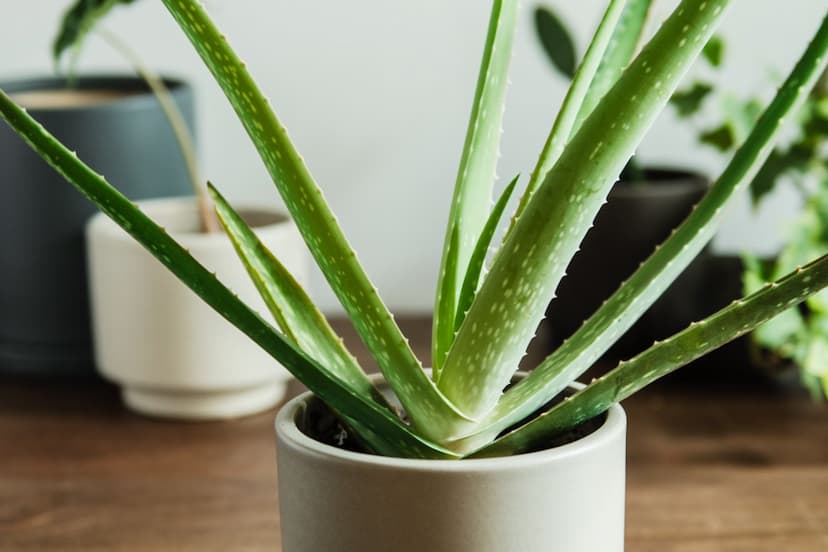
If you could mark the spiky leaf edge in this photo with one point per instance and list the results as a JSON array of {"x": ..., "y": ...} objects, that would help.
[
  {"x": 475, "y": 176},
  {"x": 532, "y": 261},
  {"x": 296, "y": 314},
  {"x": 669, "y": 259},
  {"x": 739, "y": 318},
  {"x": 290, "y": 305},
  {"x": 478, "y": 258},
  {"x": 620, "y": 50},
  {"x": 565, "y": 120}
]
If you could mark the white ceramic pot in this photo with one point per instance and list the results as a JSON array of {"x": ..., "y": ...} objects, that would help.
[
  {"x": 565, "y": 499},
  {"x": 173, "y": 356}
]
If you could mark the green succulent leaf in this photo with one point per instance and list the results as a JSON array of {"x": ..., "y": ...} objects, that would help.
[
  {"x": 387, "y": 433},
  {"x": 297, "y": 316},
  {"x": 620, "y": 50},
  {"x": 783, "y": 333},
  {"x": 636, "y": 295},
  {"x": 556, "y": 41},
  {"x": 688, "y": 102},
  {"x": 472, "y": 279},
  {"x": 481, "y": 330},
  {"x": 662, "y": 358},
  {"x": 425, "y": 405},
  {"x": 293, "y": 310},
  {"x": 533, "y": 259},
  {"x": 78, "y": 20},
  {"x": 476, "y": 175},
  {"x": 565, "y": 122}
]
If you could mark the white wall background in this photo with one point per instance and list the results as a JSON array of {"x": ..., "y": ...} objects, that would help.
[{"x": 376, "y": 94}]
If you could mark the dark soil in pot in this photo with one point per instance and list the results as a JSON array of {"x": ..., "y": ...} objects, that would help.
[
  {"x": 319, "y": 423},
  {"x": 117, "y": 127}
]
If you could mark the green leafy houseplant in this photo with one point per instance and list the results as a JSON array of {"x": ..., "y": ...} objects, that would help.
[
  {"x": 799, "y": 335},
  {"x": 482, "y": 325}
]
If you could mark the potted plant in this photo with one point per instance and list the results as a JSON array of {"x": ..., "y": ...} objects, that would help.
[
  {"x": 793, "y": 345},
  {"x": 469, "y": 457},
  {"x": 143, "y": 340}
]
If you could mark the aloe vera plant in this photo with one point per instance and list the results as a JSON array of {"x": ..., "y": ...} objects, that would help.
[{"x": 482, "y": 323}]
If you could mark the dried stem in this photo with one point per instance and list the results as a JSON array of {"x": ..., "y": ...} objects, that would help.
[{"x": 208, "y": 221}]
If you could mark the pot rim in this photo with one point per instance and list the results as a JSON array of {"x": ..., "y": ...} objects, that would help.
[
  {"x": 185, "y": 206},
  {"x": 290, "y": 435},
  {"x": 143, "y": 96}
]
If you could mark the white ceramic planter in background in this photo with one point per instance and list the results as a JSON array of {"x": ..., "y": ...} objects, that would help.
[
  {"x": 172, "y": 354},
  {"x": 565, "y": 499}
]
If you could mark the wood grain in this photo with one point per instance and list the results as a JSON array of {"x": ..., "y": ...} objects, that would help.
[{"x": 711, "y": 468}]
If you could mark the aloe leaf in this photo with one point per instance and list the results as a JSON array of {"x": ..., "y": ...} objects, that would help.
[
  {"x": 619, "y": 52},
  {"x": 290, "y": 305},
  {"x": 472, "y": 279},
  {"x": 296, "y": 314},
  {"x": 529, "y": 266},
  {"x": 739, "y": 318},
  {"x": 641, "y": 290},
  {"x": 565, "y": 121},
  {"x": 476, "y": 175},
  {"x": 447, "y": 288},
  {"x": 424, "y": 404},
  {"x": 387, "y": 433}
]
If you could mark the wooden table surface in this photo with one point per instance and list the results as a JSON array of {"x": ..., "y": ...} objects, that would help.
[{"x": 732, "y": 469}]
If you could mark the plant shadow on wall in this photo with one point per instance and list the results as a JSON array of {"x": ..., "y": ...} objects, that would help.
[{"x": 483, "y": 320}]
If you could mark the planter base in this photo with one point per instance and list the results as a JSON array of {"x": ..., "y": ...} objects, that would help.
[
  {"x": 203, "y": 405},
  {"x": 564, "y": 499}
]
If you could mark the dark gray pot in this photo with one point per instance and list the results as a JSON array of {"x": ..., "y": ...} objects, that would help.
[
  {"x": 634, "y": 220},
  {"x": 44, "y": 314}
]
